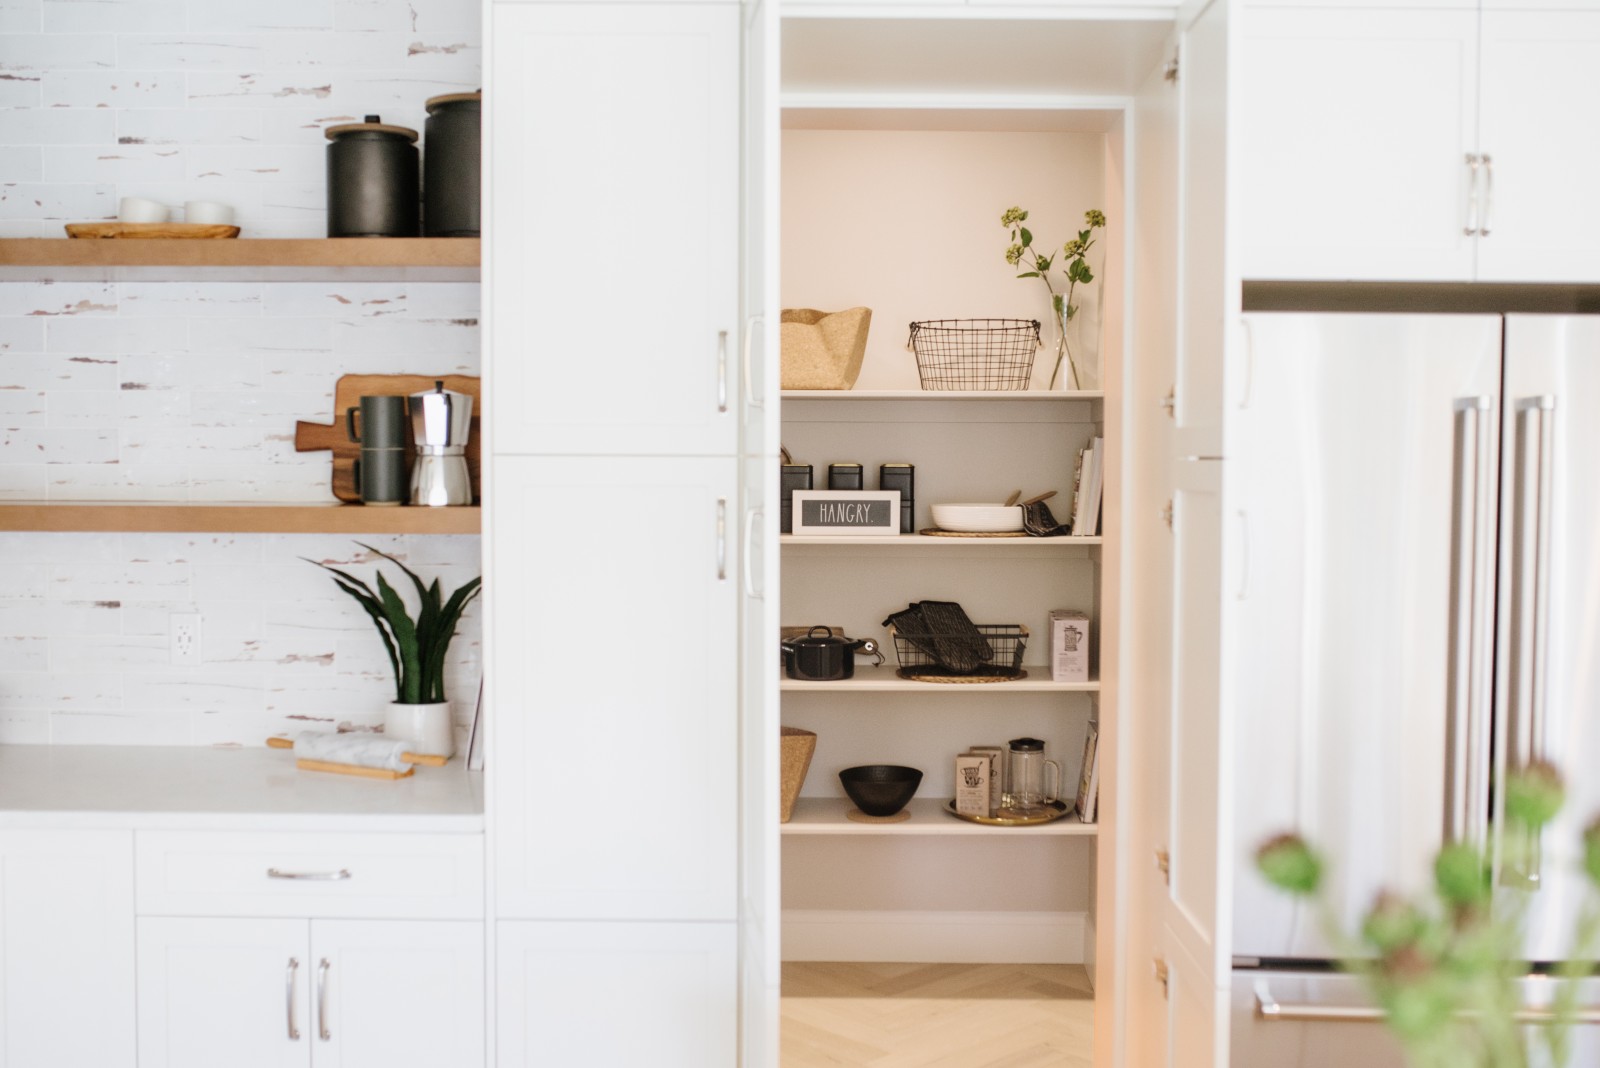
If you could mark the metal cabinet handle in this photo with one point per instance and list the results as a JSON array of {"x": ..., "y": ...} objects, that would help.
[
  {"x": 750, "y": 398},
  {"x": 289, "y": 983},
  {"x": 1269, "y": 1009},
  {"x": 1488, "y": 194},
  {"x": 722, "y": 370},
  {"x": 750, "y": 591},
  {"x": 322, "y": 999},
  {"x": 1473, "y": 165},
  {"x": 310, "y": 876},
  {"x": 722, "y": 539},
  {"x": 1466, "y": 799}
]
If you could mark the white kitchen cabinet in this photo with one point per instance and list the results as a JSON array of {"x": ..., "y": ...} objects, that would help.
[
  {"x": 615, "y": 687},
  {"x": 256, "y": 993},
  {"x": 656, "y": 994},
  {"x": 1538, "y": 105},
  {"x": 1353, "y": 128},
  {"x": 614, "y": 176},
  {"x": 66, "y": 947}
]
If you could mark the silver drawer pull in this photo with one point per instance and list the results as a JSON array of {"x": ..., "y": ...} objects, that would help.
[
  {"x": 1268, "y": 1009},
  {"x": 311, "y": 876}
]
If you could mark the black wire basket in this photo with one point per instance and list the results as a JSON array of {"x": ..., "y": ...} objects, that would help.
[
  {"x": 975, "y": 353},
  {"x": 919, "y": 657}
]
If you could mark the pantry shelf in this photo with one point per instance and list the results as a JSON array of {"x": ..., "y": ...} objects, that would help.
[
  {"x": 936, "y": 543},
  {"x": 195, "y": 517},
  {"x": 826, "y": 815},
  {"x": 884, "y": 680},
  {"x": 422, "y": 259},
  {"x": 943, "y": 394}
]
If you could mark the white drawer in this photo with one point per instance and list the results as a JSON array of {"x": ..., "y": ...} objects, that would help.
[{"x": 373, "y": 876}]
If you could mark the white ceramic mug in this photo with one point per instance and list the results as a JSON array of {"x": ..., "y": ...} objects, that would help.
[
  {"x": 140, "y": 210},
  {"x": 207, "y": 212}
]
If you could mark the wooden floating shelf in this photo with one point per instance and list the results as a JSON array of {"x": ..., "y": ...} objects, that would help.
[
  {"x": 884, "y": 680},
  {"x": 195, "y": 517},
  {"x": 826, "y": 815},
  {"x": 944, "y": 394},
  {"x": 924, "y": 541},
  {"x": 379, "y": 258}
]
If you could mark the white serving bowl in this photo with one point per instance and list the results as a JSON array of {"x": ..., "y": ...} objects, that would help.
[{"x": 977, "y": 518}]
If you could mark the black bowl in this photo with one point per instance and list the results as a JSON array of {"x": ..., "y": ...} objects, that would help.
[{"x": 880, "y": 789}]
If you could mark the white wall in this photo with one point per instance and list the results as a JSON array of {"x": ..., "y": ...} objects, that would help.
[{"x": 190, "y": 391}]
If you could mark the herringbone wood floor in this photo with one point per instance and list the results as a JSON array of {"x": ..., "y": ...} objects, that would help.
[{"x": 936, "y": 1016}]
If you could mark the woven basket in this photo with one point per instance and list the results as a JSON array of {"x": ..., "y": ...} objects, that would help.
[
  {"x": 795, "y": 761},
  {"x": 823, "y": 350}
]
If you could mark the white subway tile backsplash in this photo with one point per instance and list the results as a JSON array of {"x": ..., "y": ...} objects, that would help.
[
  {"x": 119, "y": 581},
  {"x": 60, "y": 619},
  {"x": 18, "y": 335},
  {"x": 21, "y": 90},
  {"x": 57, "y": 126},
  {"x": 260, "y": 408},
  {"x": 21, "y": 16},
  {"x": 53, "y": 691},
  {"x": 38, "y": 299},
  {"x": 41, "y": 445},
  {"x": 400, "y": 95},
  {"x": 142, "y": 727},
  {"x": 210, "y": 688},
  {"x": 58, "y": 373},
  {"x": 196, "y": 371},
  {"x": 51, "y": 200},
  {"x": 109, "y": 336},
  {"x": 271, "y": 90},
  {"x": 24, "y": 653},
  {"x": 190, "y": 51},
  {"x": 117, "y": 482},
  {"x": 251, "y": 16},
  {"x": 21, "y": 163},
  {"x": 23, "y": 408},
  {"x": 193, "y": 299},
  {"x": 185, "y": 126},
  {"x": 348, "y": 301},
  {"x": 190, "y": 446},
  {"x": 19, "y": 482},
  {"x": 306, "y": 164},
  {"x": 414, "y": 16},
  {"x": 119, "y": 653},
  {"x": 74, "y": 16},
  {"x": 113, "y": 89},
  {"x": 56, "y": 51},
  {"x": 116, "y": 164}
]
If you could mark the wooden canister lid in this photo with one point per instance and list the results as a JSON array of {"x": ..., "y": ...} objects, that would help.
[
  {"x": 372, "y": 125},
  {"x": 436, "y": 102}
]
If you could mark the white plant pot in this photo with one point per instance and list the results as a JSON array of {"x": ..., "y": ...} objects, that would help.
[{"x": 427, "y": 729}]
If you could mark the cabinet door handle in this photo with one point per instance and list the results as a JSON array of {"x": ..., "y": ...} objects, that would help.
[
  {"x": 750, "y": 518},
  {"x": 750, "y": 399},
  {"x": 289, "y": 984},
  {"x": 310, "y": 876},
  {"x": 722, "y": 539},
  {"x": 722, "y": 371},
  {"x": 1473, "y": 164},
  {"x": 322, "y": 999},
  {"x": 1488, "y": 193}
]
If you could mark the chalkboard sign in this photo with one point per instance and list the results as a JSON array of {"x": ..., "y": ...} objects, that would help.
[{"x": 843, "y": 512}]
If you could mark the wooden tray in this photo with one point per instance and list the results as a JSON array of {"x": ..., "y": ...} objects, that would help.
[
  {"x": 347, "y": 393},
  {"x": 150, "y": 231},
  {"x": 1051, "y": 812}
]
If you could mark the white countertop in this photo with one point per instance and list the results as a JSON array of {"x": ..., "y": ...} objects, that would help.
[{"x": 177, "y": 788}]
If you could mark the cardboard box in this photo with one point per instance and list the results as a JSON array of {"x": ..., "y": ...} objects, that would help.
[
  {"x": 972, "y": 784},
  {"x": 1069, "y": 646},
  {"x": 997, "y": 774}
]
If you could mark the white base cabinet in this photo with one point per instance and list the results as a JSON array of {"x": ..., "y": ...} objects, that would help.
[
  {"x": 262, "y": 993},
  {"x": 66, "y": 946},
  {"x": 656, "y": 994}
]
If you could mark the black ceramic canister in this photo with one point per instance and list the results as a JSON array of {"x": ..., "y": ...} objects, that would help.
[
  {"x": 372, "y": 180},
  {"x": 452, "y": 165}
]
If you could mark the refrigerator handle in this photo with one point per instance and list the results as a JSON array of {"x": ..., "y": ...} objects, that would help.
[
  {"x": 1468, "y": 738},
  {"x": 1530, "y": 600}
]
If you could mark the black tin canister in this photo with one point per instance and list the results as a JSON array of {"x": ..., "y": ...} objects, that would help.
[
  {"x": 452, "y": 165},
  {"x": 372, "y": 180}
]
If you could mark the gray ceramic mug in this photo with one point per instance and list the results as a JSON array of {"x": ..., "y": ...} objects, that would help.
[{"x": 380, "y": 472}]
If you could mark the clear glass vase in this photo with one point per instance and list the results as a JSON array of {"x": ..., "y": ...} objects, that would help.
[{"x": 1065, "y": 324}]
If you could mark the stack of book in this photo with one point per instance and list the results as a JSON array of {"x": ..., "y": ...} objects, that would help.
[{"x": 1088, "y": 481}]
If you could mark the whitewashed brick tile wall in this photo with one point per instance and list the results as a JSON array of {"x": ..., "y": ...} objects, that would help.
[{"x": 189, "y": 391}]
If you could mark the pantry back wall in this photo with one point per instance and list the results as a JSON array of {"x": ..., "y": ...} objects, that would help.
[{"x": 189, "y": 391}]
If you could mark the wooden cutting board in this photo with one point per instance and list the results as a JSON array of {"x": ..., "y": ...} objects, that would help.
[
  {"x": 149, "y": 231},
  {"x": 347, "y": 393}
]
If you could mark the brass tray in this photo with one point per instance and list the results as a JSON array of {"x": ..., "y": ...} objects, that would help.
[{"x": 1054, "y": 810}]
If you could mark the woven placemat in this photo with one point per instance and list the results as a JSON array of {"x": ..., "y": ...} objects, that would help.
[
  {"x": 935, "y": 532},
  {"x": 913, "y": 675},
  {"x": 861, "y": 817}
]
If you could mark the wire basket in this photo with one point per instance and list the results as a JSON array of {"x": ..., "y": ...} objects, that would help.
[
  {"x": 917, "y": 657},
  {"x": 975, "y": 353}
]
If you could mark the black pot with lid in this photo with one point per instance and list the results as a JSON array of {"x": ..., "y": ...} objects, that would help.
[
  {"x": 452, "y": 175},
  {"x": 373, "y": 178},
  {"x": 821, "y": 657}
]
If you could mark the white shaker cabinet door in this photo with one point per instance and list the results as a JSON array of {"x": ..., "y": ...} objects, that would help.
[
  {"x": 66, "y": 945},
  {"x": 614, "y": 257},
  {"x": 615, "y": 994},
  {"x": 1539, "y": 113},
  {"x": 224, "y": 992},
  {"x": 1353, "y": 131},
  {"x": 614, "y": 687},
  {"x": 395, "y": 994}
]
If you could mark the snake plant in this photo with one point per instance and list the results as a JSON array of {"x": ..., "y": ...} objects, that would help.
[{"x": 416, "y": 647}]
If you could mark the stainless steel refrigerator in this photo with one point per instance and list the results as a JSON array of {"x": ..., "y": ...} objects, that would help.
[{"x": 1417, "y": 500}]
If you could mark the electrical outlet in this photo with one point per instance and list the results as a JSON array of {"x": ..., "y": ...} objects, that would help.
[{"x": 185, "y": 638}]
